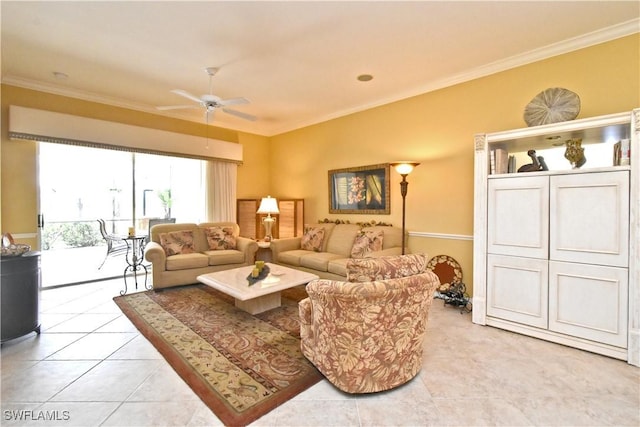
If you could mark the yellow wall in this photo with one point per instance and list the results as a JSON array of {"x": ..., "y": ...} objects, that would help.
[
  {"x": 253, "y": 175},
  {"x": 437, "y": 129}
]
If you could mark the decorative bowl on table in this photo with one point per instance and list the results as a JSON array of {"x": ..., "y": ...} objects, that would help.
[
  {"x": 16, "y": 249},
  {"x": 9, "y": 248}
]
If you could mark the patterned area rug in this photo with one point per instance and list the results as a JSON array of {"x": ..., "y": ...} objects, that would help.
[{"x": 241, "y": 365}]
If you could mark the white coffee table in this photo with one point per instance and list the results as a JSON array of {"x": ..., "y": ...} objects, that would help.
[{"x": 261, "y": 296}]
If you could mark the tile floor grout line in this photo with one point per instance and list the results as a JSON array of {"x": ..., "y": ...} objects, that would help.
[{"x": 111, "y": 413}]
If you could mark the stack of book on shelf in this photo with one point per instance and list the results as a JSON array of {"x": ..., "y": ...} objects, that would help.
[
  {"x": 511, "y": 168},
  {"x": 622, "y": 152},
  {"x": 499, "y": 161}
]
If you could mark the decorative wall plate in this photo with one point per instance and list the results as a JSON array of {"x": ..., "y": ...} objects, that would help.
[
  {"x": 447, "y": 269},
  {"x": 552, "y": 105}
]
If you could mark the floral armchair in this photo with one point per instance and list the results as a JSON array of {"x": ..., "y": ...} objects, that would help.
[{"x": 366, "y": 335}]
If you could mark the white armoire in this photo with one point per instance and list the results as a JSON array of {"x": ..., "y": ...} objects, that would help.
[{"x": 557, "y": 251}]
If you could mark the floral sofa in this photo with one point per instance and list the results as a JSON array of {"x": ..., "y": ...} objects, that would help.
[
  {"x": 325, "y": 248},
  {"x": 179, "y": 253},
  {"x": 366, "y": 335}
]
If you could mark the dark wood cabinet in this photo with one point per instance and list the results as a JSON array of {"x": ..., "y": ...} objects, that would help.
[
  {"x": 20, "y": 295},
  {"x": 289, "y": 222}
]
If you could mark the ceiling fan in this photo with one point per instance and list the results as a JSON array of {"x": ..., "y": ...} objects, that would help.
[{"x": 210, "y": 102}]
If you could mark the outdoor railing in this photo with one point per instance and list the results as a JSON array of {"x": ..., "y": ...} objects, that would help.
[{"x": 80, "y": 233}]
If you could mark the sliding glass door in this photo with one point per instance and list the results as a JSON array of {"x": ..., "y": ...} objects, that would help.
[
  {"x": 80, "y": 185},
  {"x": 170, "y": 188}
]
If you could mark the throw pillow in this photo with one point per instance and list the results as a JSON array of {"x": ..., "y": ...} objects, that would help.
[
  {"x": 177, "y": 242},
  {"x": 367, "y": 241},
  {"x": 220, "y": 238},
  {"x": 312, "y": 239}
]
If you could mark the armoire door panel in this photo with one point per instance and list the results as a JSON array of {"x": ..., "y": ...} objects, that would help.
[
  {"x": 518, "y": 211},
  {"x": 589, "y": 302},
  {"x": 518, "y": 289},
  {"x": 589, "y": 218}
]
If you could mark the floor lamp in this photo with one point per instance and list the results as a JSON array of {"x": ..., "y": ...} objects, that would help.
[
  {"x": 268, "y": 206},
  {"x": 404, "y": 169}
]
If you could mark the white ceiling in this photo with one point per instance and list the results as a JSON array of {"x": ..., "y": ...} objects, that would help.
[{"x": 296, "y": 61}]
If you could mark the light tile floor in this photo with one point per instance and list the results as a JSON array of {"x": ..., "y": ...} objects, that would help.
[{"x": 90, "y": 367}]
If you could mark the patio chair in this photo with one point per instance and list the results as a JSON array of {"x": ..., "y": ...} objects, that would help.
[{"x": 115, "y": 244}]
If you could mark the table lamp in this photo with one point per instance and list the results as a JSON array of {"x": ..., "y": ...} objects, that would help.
[{"x": 268, "y": 206}]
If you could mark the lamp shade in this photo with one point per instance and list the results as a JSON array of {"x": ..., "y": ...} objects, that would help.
[
  {"x": 404, "y": 168},
  {"x": 268, "y": 205}
]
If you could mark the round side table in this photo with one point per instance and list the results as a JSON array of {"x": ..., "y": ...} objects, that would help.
[
  {"x": 134, "y": 258},
  {"x": 264, "y": 251}
]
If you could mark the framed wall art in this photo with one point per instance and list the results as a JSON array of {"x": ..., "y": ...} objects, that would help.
[{"x": 360, "y": 190}]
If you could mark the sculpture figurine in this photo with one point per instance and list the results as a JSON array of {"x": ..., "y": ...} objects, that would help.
[
  {"x": 537, "y": 163},
  {"x": 575, "y": 153}
]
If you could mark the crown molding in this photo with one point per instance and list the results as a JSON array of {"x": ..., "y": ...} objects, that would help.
[
  {"x": 566, "y": 46},
  {"x": 73, "y": 93},
  {"x": 53, "y": 89}
]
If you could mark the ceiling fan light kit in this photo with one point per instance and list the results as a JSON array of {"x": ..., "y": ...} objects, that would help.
[{"x": 210, "y": 102}]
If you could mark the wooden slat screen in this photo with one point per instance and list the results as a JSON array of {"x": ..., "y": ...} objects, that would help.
[
  {"x": 299, "y": 226},
  {"x": 247, "y": 219},
  {"x": 289, "y": 223},
  {"x": 287, "y": 218}
]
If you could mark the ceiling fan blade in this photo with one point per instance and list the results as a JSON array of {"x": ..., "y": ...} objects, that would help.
[
  {"x": 176, "y": 107},
  {"x": 240, "y": 114},
  {"x": 233, "y": 101},
  {"x": 187, "y": 95}
]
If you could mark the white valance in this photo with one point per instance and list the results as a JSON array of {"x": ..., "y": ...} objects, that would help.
[{"x": 41, "y": 125}]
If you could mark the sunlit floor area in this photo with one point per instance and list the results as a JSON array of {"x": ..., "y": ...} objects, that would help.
[
  {"x": 79, "y": 265},
  {"x": 91, "y": 367}
]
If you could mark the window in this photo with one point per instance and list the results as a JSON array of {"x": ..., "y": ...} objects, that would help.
[{"x": 79, "y": 185}]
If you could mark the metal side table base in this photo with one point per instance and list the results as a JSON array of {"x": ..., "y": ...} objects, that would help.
[{"x": 134, "y": 258}]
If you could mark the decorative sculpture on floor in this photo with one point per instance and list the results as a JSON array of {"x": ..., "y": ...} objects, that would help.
[{"x": 456, "y": 295}]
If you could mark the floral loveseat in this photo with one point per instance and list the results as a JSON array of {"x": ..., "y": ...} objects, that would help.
[
  {"x": 179, "y": 253},
  {"x": 366, "y": 335},
  {"x": 325, "y": 248}
]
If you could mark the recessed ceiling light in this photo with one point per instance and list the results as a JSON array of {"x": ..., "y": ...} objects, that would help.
[
  {"x": 365, "y": 77},
  {"x": 60, "y": 76}
]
